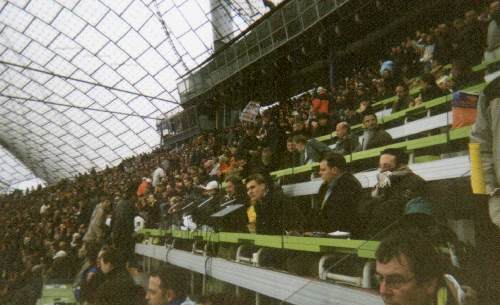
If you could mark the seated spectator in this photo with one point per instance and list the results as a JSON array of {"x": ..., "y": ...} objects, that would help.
[
  {"x": 118, "y": 286},
  {"x": 310, "y": 150},
  {"x": 356, "y": 117},
  {"x": 429, "y": 89},
  {"x": 135, "y": 271},
  {"x": 445, "y": 84},
  {"x": 61, "y": 268},
  {"x": 397, "y": 185},
  {"x": 269, "y": 211},
  {"x": 322, "y": 126},
  {"x": 290, "y": 156},
  {"x": 462, "y": 75},
  {"x": 390, "y": 78},
  {"x": 209, "y": 205},
  {"x": 410, "y": 270},
  {"x": 299, "y": 128},
  {"x": 347, "y": 143},
  {"x": 373, "y": 135},
  {"x": 339, "y": 197},
  {"x": 267, "y": 163},
  {"x": 382, "y": 92},
  {"x": 235, "y": 190},
  {"x": 168, "y": 287},
  {"x": 404, "y": 99}
]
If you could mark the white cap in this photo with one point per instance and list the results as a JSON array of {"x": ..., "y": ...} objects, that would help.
[
  {"x": 212, "y": 185},
  {"x": 60, "y": 254}
]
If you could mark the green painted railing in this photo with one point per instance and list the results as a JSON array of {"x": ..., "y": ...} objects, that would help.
[
  {"x": 361, "y": 248},
  {"x": 409, "y": 145}
]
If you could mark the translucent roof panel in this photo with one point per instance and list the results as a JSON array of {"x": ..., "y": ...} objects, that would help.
[{"x": 83, "y": 82}]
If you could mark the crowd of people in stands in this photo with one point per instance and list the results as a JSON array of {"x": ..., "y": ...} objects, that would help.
[{"x": 84, "y": 229}]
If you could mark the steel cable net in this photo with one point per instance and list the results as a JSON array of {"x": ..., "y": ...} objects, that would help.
[{"x": 83, "y": 82}]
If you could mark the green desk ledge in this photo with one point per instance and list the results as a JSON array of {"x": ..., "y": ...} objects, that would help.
[{"x": 365, "y": 249}]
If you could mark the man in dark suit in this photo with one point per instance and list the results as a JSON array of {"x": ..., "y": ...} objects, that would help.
[{"x": 339, "y": 196}]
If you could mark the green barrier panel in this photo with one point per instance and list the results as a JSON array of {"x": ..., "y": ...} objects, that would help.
[
  {"x": 460, "y": 133},
  {"x": 455, "y": 134},
  {"x": 403, "y": 113},
  {"x": 295, "y": 170},
  {"x": 364, "y": 249},
  {"x": 414, "y": 91}
]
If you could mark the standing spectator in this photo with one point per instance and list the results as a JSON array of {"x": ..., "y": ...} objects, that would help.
[
  {"x": 427, "y": 50},
  {"x": 443, "y": 51},
  {"x": 159, "y": 174},
  {"x": 144, "y": 187},
  {"x": 44, "y": 208},
  {"x": 470, "y": 41},
  {"x": 320, "y": 103},
  {"x": 97, "y": 227},
  {"x": 122, "y": 228},
  {"x": 269, "y": 134},
  {"x": 493, "y": 36},
  {"x": 486, "y": 132},
  {"x": 373, "y": 135}
]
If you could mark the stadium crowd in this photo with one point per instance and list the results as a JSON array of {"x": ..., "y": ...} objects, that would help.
[{"x": 84, "y": 229}]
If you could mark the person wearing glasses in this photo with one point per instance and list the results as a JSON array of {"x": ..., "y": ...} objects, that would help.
[{"x": 411, "y": 271}]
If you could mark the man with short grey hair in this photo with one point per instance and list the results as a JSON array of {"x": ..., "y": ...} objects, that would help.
[{"x": 346, "y": 142}]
